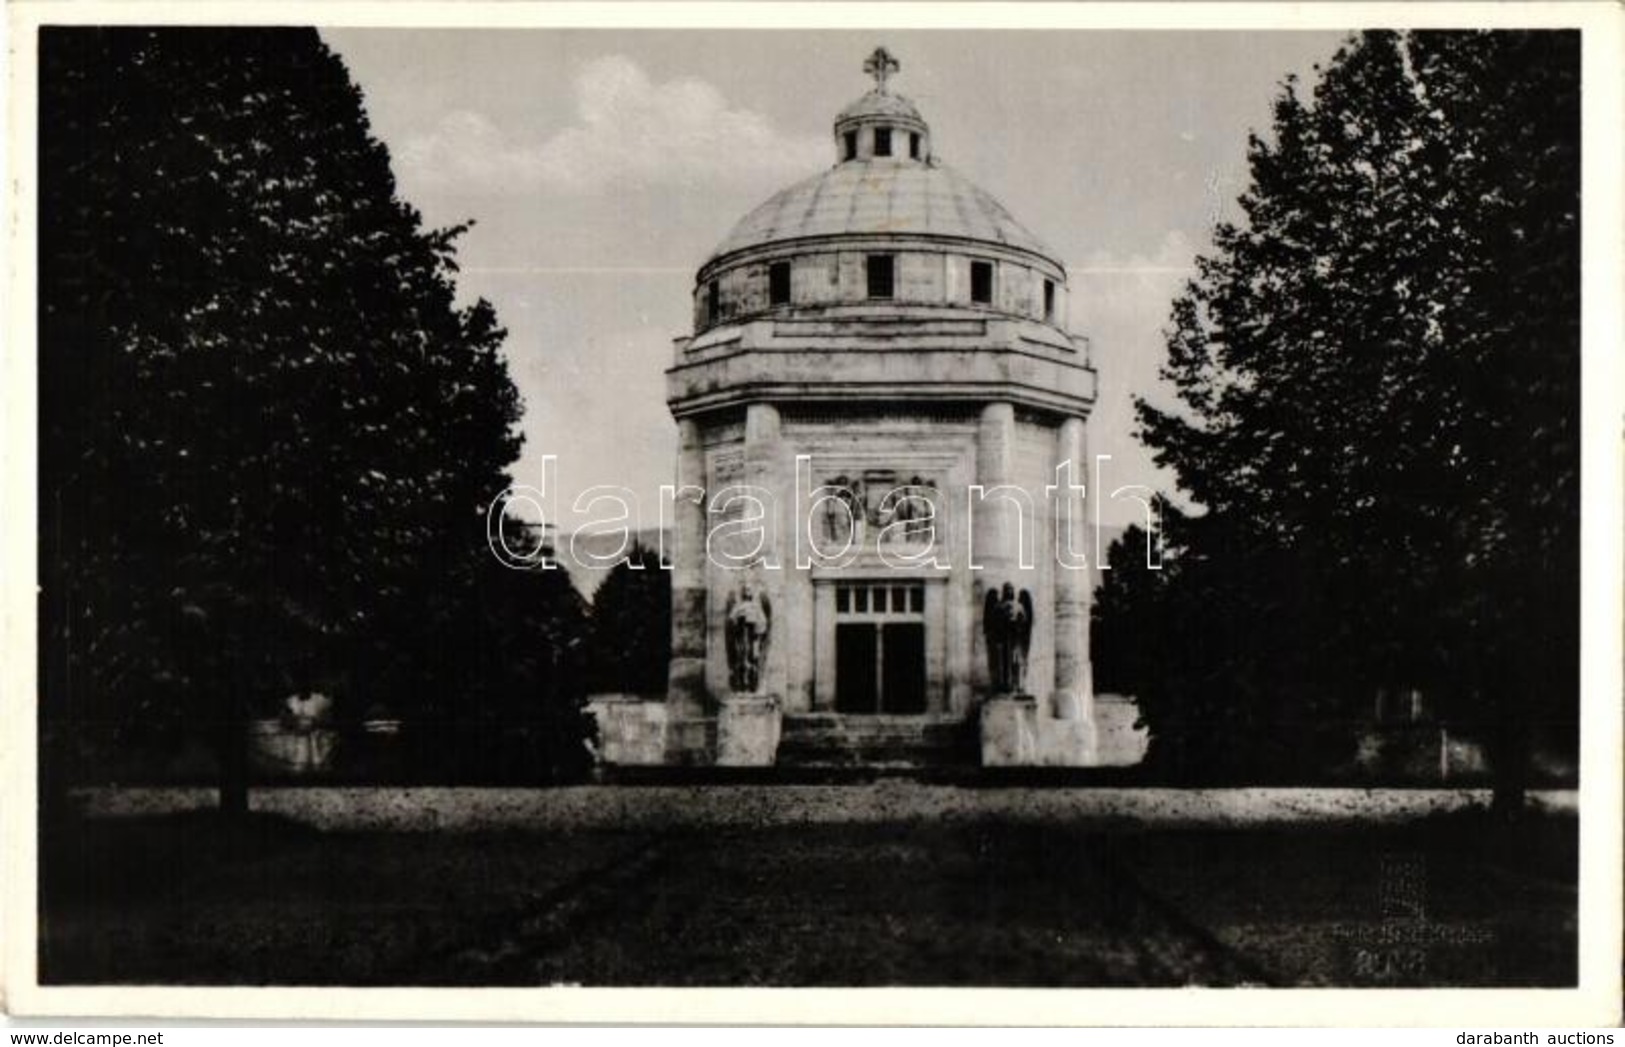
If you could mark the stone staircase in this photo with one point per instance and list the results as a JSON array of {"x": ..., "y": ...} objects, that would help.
[{"x": 837, "y": 740}]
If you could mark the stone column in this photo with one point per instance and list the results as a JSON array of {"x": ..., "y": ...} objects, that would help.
[
  {"x": 939, "y": 666},
  {"x": 686, "y": 677},
  {"x": 995, "y": 526},
  {"x": 962, "y": 619},
  {"x": 823, "y": 632},
  {"x": 764, "y": 470},
  {"x": 1074, "y": 687}
]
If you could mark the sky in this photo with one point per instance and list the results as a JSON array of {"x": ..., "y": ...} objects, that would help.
[{"x": 602, "y": 167}]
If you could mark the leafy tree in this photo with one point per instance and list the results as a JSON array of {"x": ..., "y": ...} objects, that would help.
[
  {"x": 1243, "y": 693},
  {"x": 1377, "y": 381},
  {"x": 507, "y": 703},
  {"x": 268, "y": 430},
  {"x": 631, "y": 626}
]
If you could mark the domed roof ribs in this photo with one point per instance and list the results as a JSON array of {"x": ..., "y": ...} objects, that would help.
[
  {"x": 812, "y": 204},
  {"x": 850, "y": 221},
  {"x": 778, "y": 221},
  {"x": 966, "y": 219},
  {"x": 830, "y": 204}
]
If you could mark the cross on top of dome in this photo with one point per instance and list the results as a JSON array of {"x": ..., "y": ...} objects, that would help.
[
  {"x": 881, "y": 65},
  {"x": 881, "y": 124}
]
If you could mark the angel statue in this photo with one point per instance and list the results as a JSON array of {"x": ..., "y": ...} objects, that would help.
[
  {"x": 1007, "y": 622},
  {"x": 749, "y": 621}
]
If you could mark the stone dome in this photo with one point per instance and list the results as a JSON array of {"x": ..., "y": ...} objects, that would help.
[
  {"x": 877, "y": 197},
  {"x": 880, "y": 103},
  {"x": 887, "y": 230}
]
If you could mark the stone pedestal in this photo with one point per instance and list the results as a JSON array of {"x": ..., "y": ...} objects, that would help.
[
  {"x": 748, "y": 731},
  {"x": 691, "y": 741},
  {"x": 1010, "y": 731},
  {"x": 1066, "y": 743},
  {"x": 1018, "y": 732}
]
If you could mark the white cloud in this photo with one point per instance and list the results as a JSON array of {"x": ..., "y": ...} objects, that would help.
[{"x": 628, "y": 132}]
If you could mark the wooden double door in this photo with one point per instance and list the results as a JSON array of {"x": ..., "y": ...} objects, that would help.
[{"x": 880, "y": 648}]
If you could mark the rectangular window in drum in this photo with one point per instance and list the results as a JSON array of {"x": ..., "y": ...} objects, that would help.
[
  {"x": 778, "y": 283},
  {"x": 880, "y": 270},
  {"x": 981, "y": 282}
]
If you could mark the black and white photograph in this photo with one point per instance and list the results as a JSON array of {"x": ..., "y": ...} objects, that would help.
[{"x": 873, "y": 504}]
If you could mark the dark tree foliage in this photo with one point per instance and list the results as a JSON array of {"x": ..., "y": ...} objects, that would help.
[
  {"x": 1378, "y": 385},
  {"x": 510, "y": 667},
  {"x": 268, "y": 430},
  {"x": 631, "y": 627},
  {"x": 1244, "y": 693}
]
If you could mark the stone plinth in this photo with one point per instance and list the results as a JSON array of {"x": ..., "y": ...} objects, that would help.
[
  {"x": 1068, "y": 705},
  {"x": 1066, "y": 743},
  {"x": 691, "y": 741},
  {"x": 1017, "y": 732},
  {"x": 630, "y": 731},
  {"x": 748, "y": 729},
  {"x": 1121, "y": 742},
  {"x": 1010, "y": 731}
]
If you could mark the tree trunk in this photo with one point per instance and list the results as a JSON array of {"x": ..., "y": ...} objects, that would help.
[
  {"x": 232, "y": 752},
  {"x": 1509, "y": 755}
]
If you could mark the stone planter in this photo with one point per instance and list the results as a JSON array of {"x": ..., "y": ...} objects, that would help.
[{"x": 278, "y": 747}]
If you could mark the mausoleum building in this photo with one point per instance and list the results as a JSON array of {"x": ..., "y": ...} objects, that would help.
[{"x": 879, "y": 533}]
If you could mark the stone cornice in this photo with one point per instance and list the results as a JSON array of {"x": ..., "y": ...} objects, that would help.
[
  {"x": 926, "y": 328},
  {"x": 1039, "y": 381}
]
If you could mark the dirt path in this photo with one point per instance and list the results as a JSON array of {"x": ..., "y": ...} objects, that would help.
[
  {"x": 662, "y": 807},
  {"x": 891, "y": 884},
  {"x": 871, "y": 906}
]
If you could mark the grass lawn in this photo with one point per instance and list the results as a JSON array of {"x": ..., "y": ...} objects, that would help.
[{"x": 1051, "y": 901}]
